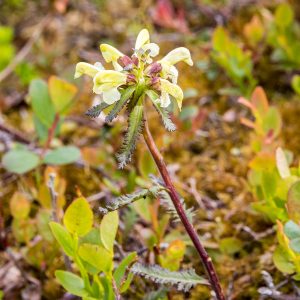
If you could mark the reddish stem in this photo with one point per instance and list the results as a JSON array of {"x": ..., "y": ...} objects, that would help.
[
  {"x": 51, "y": 133},
  {"x": 206, "y": 260}
]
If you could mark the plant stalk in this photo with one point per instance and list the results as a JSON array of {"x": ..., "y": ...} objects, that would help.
[{"x": 206, "y": 260}]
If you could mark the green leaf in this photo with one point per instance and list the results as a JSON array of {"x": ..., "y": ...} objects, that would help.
[
  {"x": 284, "y": 15},
  {"x": 164, "y": 114},
  {"x": 165, "y": 117},
  {"x": 167, "y": 203},
  {"x": 92, "y": 237},
  {"x": 230, "y": 245},
  {"x": 78, "y": 217},
  {"x": 184, "y": 280},
  {"x": 121, "y": 269},
  {"x": 108, "y": 230},
  {"x": 135, "y": 125},
  {"x": 293, "y": 202},
  {"x": 6, "y": 34},
  {"x": 120, "y": 104},
  {"x": 127, "y": 199},
  {"x": 295, "y": 245},
  {"x": 269, "y": 184},
  {"x": 97, "y": 256},
  {"x": 219, "y": 39},
  {"x": 96, "y": 110},
  {"x": 20, "y": 161},
  {"x": 61, "y": 92},
  {"x": 282, "y": 261},
  {"x": 62, "y": 155},
  {"x": 108, "y": 288},
  {"x": 146, "y": 164},
  {"x": 126, "y": 284},
  {"x": 188, "y": 112},
  {"x": 72, "y": 283},
  {"x": 292, "y": 230},
  {"x": 272, "y": 122},
  {"x": 296, "y": 84},
  {"x": 63, "y": 237},
  {"x": 41, "y": 103}
]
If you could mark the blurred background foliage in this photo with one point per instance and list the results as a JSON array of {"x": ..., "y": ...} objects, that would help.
[{"x": 242, "y": 182}]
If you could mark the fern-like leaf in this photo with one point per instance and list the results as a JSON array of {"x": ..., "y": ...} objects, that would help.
[
  {"x": 135, "y": 126},
  {"x": 120, "y": 104},
  {"x": 183, "y": 280},
  {"x": 167, "y": 203},
  {"x": 95, "y": 111},
  {"x": 164, "y": 114},
  {"x": 127, "y": 199},
  {"x": 165, "y": 117}
]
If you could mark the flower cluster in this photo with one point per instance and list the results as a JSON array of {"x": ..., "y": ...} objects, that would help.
[{"x": 131, "y": 80}]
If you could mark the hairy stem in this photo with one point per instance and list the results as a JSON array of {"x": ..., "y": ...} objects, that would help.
[{"x": 206, "y": 260}]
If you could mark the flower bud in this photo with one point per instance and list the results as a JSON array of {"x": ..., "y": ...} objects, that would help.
[
  {"x": 130, "y": 78},
  {"x": 154, "y": 68},
  {"x": 135, "y": 60},
  {"x": 155, "y": 83},
  {"x": 125, "y": 61}
]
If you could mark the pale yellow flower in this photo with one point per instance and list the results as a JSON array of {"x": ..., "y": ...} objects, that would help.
[{"x": 107, "y": 83}]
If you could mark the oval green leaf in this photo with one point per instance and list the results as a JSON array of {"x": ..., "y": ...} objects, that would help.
[
  {"x": 63, "y": 237},
  {"x": 108, "y": 229},
  {"x": 20, "y": 161},
  {"x": 62, "y": 155},
  {"x": 78, "y": 218},
  {"x": 72, "y": 283},
  {"x": 41, "y": 103},
  {"x": 97, "y": 256}
]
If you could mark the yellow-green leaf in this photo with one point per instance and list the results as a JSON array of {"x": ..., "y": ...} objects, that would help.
[
  {"x": 19, "y": 206},
  {"x": 61, "y": 93},
  {"x": 282, "y": 261},
  {"x": 72, "y": 283},
  {"x": 63, "y": 237},
  {"x": 293, "y": 202},
  {"x": 78, "y": 218},
  {"x": 97, "y": 256},
  {"x": 284, "y": 15},
  {"x": 108, "y": 229}
]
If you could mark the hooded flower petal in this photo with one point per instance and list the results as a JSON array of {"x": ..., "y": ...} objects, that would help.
[
  {"x": 142, "y": 39},
  {"x": 152, "y": 48},
  {"x": 106, "y": 82},
  {"x": 177, "y": 55},
  {"x": 111, "y": 54},
  {"x": 172, "y": 89},
  {"x": 169, "y": 72},
  {"x": 110, "y": 76},
  {"x": 87, "y": 69}
]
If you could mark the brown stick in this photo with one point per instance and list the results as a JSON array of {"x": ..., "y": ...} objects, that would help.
[
  {"x": 15, "y": 134},
  {"x": 206, "y": 260}
]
